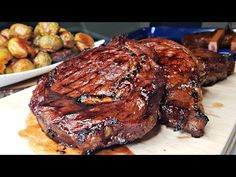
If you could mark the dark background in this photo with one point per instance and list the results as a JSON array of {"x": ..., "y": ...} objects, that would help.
[{"x": 106, "y": 30}]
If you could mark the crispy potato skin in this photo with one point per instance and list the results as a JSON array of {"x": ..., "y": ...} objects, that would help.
[
  {"x": 50, "y": 43},
  {"x": 20, "y": 48},
  {"x": 22, "y": 65},
  {"x": 68, "y": 39},
  {"x": 42, "y": 59},
  {"x": 47, "y": 28},
  {"x": 83, "y": 41},
  {"x": 21, "y": 31}
]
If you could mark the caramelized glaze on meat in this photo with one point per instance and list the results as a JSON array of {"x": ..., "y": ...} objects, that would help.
[
  {"x": 105, "y": 96},
  {"x": 114, "y": 94},
  {"x": 181, "y": 107}
]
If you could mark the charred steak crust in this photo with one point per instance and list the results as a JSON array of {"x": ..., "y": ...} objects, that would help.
[{"x": 103, "y": 97}]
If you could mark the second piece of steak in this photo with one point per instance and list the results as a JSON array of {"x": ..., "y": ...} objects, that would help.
[
  {"x": 202, "y": 39},
  {"x": 181, "y": 107},
  {"x": 213, "y": 67},
  {"x": 103, "y": 97}
]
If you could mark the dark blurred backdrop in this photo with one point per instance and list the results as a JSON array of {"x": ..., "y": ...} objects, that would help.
[{"x": 106, "y": 30}]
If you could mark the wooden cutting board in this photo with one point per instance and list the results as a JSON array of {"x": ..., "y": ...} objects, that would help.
[{"x": 219, "y": 102}]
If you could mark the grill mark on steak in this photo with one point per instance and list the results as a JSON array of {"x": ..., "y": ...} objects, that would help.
[
  {"x": 77, "y": 64},
  {"x": 81, "y": 73},
  {"x": 104, "y": 77},
  {"x": 85, "y": 72},
  {"x": 68, "y": 90},
  {"x": 126, "y": 77}
]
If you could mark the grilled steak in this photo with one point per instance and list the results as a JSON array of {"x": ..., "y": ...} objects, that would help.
[
  {"x": 181, "y": 106},
  {"x": 104, "y": 96},
  {"x": 114, "y": 94},
  {"x": 213, "y": 67},
  {"x": 202, "y": 39}
]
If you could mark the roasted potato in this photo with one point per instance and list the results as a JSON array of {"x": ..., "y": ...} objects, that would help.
[
  {"x": 36, "y": 40},
  {"x": 17, "y": 47},
  {"x": 68, "y": 39},
  {"x": 22, "y": 65},
  {"x": 21, "y": 31},
  {"x": 5, "y": 55},
  {"x": 50, "y": 43},
  {"x": 2, "y": 68},
  {"x": 6, "y": 33},
  {"x": 83, "y": 41},
  {"x": 3, "y": 41},
  {"x": 47, "y": 28},
  {"x": 42, "y": 59},
  {"x": 20, "y": 48}
]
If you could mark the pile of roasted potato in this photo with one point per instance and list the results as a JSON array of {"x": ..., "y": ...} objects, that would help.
[{"x": 23, "y": 48}]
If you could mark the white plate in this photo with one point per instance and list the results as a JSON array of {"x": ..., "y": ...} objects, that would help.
[
  {"x": 8, "y": 79},
  {"x": 218, "y": 139}
]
